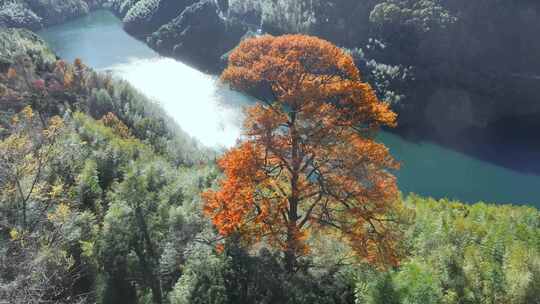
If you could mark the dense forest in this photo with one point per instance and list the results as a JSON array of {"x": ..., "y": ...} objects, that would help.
[
  {"x": 35, "y": 14},
  {"x": 449, "y": 68},
  {"x": 104, "y": 199}
]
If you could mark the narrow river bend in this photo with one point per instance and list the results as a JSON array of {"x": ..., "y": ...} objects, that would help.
[{"x": 213, "y": 114}]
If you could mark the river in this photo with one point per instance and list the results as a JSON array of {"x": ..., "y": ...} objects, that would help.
[{"x": 213, "y": 114}]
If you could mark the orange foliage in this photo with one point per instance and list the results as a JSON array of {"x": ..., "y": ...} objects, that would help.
[
  {"x": 110, "y": 120},
  {"x": 78, "y": 63},
  {"x": 11, "y": 73},
  {"x": 72, "y": 76},
  {"x": 309, "y": 159}
]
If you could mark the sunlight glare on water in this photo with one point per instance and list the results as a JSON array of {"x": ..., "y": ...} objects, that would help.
[{"x": 198, "y": 103}]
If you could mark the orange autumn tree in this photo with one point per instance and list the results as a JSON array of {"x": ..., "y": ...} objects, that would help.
[{"x": 308, "y": 159}]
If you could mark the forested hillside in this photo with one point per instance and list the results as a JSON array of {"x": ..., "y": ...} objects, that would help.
[
  {"x": 35, "y": 14},
  {"x": 101, "y": 203},
  {"x": 75, "y": 145},
  {"x": 449, "y": 68}
]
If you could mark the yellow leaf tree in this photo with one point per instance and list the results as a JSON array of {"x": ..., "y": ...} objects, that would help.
[{"x": 24, "y": 155}]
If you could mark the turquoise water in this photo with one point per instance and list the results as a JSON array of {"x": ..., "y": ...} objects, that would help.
[
  {"x": 98, "y": 39},
  {"x": 213, "y": 114},
  {"x": 436, "y": 171}
]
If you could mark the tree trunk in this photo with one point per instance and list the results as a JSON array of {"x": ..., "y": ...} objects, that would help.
[
  {"x": 156, "y": 291},
  {"x": 155, "y": 283},
  {"x": 290, "y": 252},
  {"x": 149, "y": 276},
  {"x": 292, "y": 242},
  {"x": 24, "y": 215}
]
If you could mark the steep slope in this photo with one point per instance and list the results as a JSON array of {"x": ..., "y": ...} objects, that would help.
[
  {"x": 34, "y": 14},
  {"x": 452, "y": 69}
]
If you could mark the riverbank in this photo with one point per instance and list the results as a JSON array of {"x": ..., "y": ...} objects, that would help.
[
  {"x": 112, "y": 210},
  {"x": 37, "y": 14},
  {"x": 439, "y": 98},
  {"x": 473, "y": 109},
  {"x": 212, "y": 114},
  {"x": 433, "y": 169}
]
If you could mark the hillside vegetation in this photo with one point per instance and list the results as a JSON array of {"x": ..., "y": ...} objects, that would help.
[
  {"x": 100, "y": 203},
  {"x": 35, "y": 14},
  {"x": 453, "y": 70}
]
